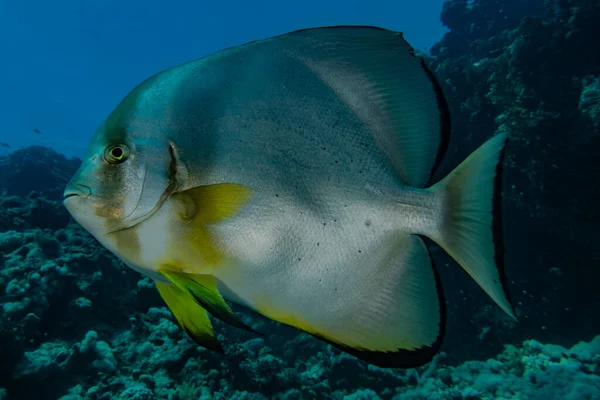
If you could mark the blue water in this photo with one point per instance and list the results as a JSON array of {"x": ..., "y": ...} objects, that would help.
[{"x": 65, "y": 64}]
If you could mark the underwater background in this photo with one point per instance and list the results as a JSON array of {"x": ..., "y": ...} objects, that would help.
[{"x": 75, "y": 323}]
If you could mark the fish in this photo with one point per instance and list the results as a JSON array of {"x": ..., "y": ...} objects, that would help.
[
  {"x": 5, "y": 145},
  {"x": 293, "y": 176},
  {"x": 37, "y": 131}
]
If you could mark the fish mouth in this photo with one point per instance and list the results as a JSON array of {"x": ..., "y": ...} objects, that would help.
[{"x": 76, "y": 190}]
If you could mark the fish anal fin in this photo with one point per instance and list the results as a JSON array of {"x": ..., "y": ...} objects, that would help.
[{"x": 391, "y": 313}]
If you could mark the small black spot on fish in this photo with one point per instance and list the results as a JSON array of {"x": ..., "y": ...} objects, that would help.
[
  {"x": 299, "y": 259},
  {"x": 276, "y": 195},
  {"x": 324, "y": 223},
  {"x": 335, "y": 220},
  {"x": 336, "y": 161},
  {"x": 360, "y": 251},
  {"x": 368, "y": 222},
  {"x": 317, "y": 243}
]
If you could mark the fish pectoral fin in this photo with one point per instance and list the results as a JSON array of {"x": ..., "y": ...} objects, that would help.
[
  {"x": 202, "y": 206},
  {"x": 209, "y": 204},
  {"x": 390, "y": 313},
  {"x": 192, "y": 318},
  {"x": 203, "y": 289}
]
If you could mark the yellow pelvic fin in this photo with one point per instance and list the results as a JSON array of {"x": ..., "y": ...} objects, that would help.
[
  {"x": 203, "y": 289},
  {"x": 205, "y": 205},
  {"x": 192, "y": 318}
]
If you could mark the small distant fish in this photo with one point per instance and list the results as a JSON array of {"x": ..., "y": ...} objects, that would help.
[
  {"x": 36, "y": 130},
  {"x": 292, "y": 176},
  {"x": 5, "y": 145}
]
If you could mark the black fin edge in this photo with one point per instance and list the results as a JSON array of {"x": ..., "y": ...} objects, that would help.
[
  {"x": 212, "y": 344},
  {"x": 236, "y": 323},
  {"x": 497, "y": 229},
  {"x": 404, "y": 358},
  {"x": 332, "y": 27},
  {"x": 444, "y": 110},
  {"x": 445, "y": 121},
  {"x": 229, "y": 319}
]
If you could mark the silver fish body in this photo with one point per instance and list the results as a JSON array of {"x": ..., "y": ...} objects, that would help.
[{"x": 292, "y": 176}]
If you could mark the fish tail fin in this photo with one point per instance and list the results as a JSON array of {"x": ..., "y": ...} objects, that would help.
[{"x": 471, "y": 227}]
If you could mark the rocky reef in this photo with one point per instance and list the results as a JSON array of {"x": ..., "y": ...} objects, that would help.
[
  {"x": 75, "y": 323},
  {"x": 532, "y": 68}
]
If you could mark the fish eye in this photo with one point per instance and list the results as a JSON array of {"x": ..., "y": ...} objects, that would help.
[{"x": 116, "y": 154}]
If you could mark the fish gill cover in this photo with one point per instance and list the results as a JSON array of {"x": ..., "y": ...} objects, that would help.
[{"x": 75, "y": 323}]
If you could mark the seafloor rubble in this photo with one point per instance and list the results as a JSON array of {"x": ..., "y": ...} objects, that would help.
[{"x": 77, "y": 324}]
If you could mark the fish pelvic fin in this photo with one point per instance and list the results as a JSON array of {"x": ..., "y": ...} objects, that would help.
[
  {"x": 203, "y": 291},
  {"x": 192, "y": 318},
  {"x": 471, "y": 227}
]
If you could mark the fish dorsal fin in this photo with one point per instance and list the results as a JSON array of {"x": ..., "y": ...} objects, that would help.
[
  {"x": 192, "y": 318},
  {"x": 203, "y": 289},
  {"x": 376, "y": 73}
]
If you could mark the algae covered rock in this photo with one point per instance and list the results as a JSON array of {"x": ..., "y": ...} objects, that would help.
[
  {"x": 45, "y": 362},
  {"x": 38, "y": 169},
  {"x": 589, "y": 102}
]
